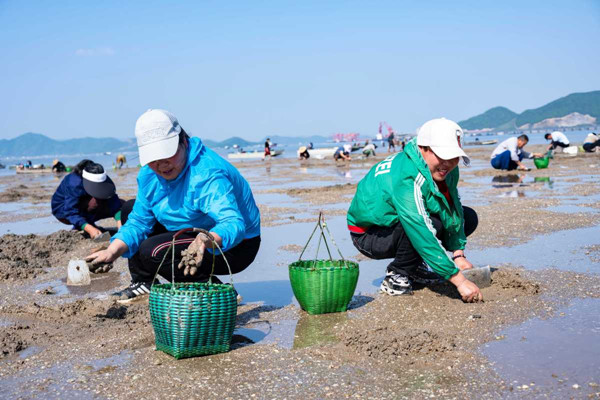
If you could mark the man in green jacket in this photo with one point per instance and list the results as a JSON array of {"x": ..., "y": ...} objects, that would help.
[{"x": 407, "y": 208}]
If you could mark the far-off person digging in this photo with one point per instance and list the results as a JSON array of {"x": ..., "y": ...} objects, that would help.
[
  {"x": 182, "y": 184},
  {"x": 407, "y": 208},
  {"x": 86, "y": 196}
]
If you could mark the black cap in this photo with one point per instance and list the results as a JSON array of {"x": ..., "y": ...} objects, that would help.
[{"x": 96, "y": 183}]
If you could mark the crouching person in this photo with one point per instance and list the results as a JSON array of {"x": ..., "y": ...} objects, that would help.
[
  {"x": 182, "y": 184},
  {"x": 407, "y": 208}
]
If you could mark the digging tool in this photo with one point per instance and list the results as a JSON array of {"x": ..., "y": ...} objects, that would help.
[
  {"x": 481, "y": 276},
  {"x": 103, "y": 237},
  {"x": 78, "y": 273}
]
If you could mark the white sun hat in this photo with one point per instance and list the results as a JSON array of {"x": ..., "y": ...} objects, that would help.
[
  {"x": 444, "y": 137},
  {"x": 157, "y": 133}
]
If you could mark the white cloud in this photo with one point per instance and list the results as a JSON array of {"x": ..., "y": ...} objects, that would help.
[{"x": 99, "y": 51}]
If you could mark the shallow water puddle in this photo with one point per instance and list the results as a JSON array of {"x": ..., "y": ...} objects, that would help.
[
  {"x": 55, "y": 382},
  {"x": 30, "y": 351},
  {"x": 45, "y": 225},
  {"x": 275, "y": 199},
  {"x": 265, "y": 332},
  {"x": 109, "y": 364},
  {"x": 571, "y": 209},
  {"x": 16, "y": 208},
  {"x": 309, "y": 330},
  {"x": 100, "y": 283},
  {"x": 552, "y": 355},
  {"x": 543, "y": 252}
]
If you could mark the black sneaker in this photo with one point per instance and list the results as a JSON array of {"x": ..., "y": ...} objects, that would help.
[
  {"x": 424, "y": 275},
  {"x": 396, "y": 285},
  {"x": 136, "y": 291}
]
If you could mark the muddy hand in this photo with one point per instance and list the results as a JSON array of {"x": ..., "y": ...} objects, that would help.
[
  {"x": 191, "y": 258},
  {"x": 97, "y": 262},
  {"x": 469, "y": 292},
  {"x": 99, "y": 268}
]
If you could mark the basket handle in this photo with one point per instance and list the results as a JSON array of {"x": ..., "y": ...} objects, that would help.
[
  {"x": 214, "y": 243},
  {"x": 322, "y": 225}
]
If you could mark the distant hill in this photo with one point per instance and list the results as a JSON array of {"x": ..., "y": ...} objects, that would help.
[
  {"x": 583, "y": 103},
  {"x": 295, "y": 140},
  {"x": 229, "y": 142},
  {"x": 573, "y": 110},
  {"x": 35, "y": 144},
  {"x": 491, "y": 118}
]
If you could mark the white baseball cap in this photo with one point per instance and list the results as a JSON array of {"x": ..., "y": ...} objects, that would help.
[
  {"x": 157, "y": 134},
  {"x": 444, "y": 137}
]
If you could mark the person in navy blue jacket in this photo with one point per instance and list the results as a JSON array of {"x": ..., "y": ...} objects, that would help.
[
  {"x": 182, "y": 184},
  {"x": 86, "y": 196}
]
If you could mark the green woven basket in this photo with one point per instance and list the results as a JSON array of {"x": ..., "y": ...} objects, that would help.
[
  {"x": 193, "y": 319},
  {"x": 323, "y": 286}
]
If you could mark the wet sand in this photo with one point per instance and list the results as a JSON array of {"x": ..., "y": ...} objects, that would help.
[{"x": 57, "y": 341}]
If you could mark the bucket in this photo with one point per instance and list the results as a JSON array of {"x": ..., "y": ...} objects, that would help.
[{"x": 541, "y": 163}]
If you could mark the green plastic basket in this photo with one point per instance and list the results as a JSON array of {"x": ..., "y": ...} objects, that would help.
[
  {"x": 541, "y": 163},
  {"x": 193, "y": 319},
  {"x": 323, "y": 286}
]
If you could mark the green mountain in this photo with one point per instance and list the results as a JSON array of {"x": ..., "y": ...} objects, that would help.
[
  {"x": 501, "y": 118},
  {"x": 231, "y": 141},
  {"x": 35, "y": 144},
  {"x": 583, "y": 103},
  {"x": 491, "y": 118}
]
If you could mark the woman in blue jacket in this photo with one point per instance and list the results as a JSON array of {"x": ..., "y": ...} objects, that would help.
[
  {"x": 85, "y": 196},
  {"x": 182, "y": 184}
]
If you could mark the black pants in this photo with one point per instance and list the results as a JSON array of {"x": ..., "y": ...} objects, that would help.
[
  {"x": 380, "y": 242},
  {"x": 555, "y": 144},
  {"x": 589, "y": 147},
  {"x": 144, "y": 263}
]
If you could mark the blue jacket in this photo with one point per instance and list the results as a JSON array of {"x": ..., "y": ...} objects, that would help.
[
  {"x": 66, "y": 203},
  {"x": 209, "y": 193}
]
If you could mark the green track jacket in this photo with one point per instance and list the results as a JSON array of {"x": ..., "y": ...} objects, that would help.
[{"x": 401, "y": 189}]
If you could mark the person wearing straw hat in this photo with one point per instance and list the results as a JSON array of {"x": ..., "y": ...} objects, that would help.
[
  {"x": 407, "y": 208},
  {"x": 58, "y": 166},
  {"x": 303, "y": 153},
  {"x": 182, "y": 184},
  {"x": 86, "y": 196},
  {"x": 591, "y": 142}
]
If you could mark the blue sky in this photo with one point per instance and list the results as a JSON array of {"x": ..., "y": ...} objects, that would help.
[{"x": 258, "y": 68}]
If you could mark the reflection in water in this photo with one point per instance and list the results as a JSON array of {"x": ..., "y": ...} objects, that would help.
[
  {"x": 513, "y": 193},
  {"x": 545, "y": 180},
  {"x": 317, "y": 329},
  {"x": 500, "y": 181}
]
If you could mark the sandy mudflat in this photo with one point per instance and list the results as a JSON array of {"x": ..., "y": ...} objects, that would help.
[{"x": 80, "y": 343}]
